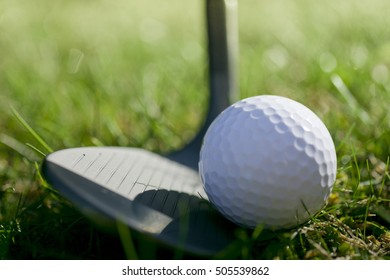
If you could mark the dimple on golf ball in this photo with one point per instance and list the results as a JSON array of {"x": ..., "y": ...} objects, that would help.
[{"x": 268, "y": 160}]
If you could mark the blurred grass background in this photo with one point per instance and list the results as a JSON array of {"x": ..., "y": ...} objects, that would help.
[{"x": 134, "y": 73}]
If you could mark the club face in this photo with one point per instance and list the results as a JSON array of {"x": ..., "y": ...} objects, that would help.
[{"x": 150, "y": 194}]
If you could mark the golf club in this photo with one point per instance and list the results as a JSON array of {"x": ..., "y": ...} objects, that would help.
[{"x": 158, "y": 196}]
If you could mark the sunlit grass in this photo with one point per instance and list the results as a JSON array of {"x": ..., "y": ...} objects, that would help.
[{"x": 134, "y": 73}]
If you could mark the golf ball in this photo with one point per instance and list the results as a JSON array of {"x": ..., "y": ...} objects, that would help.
[{"x": 268, "y": 160}]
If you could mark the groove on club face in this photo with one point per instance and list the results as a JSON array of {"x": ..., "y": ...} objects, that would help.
[{"x": 147, "y": 192}]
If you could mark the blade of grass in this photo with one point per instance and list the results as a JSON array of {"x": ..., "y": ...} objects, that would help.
[
  {"x": 370, "y": 178},
  {"x": 18, "y": 147},
  {"x": 356, "y": 108},
  {"x": 257, "y": 231},
  {"x": 384, "y": 177},
  {"x": 127, "y": 241},
  {"x": 31, "y": 130},
  {"x": 370, "y": 199},
  {"x": 35, "y": 149},
  {"x": 366, "y": 216},
  {"x": 44, "y": 182},
  {"x": 355, "y": 187}
]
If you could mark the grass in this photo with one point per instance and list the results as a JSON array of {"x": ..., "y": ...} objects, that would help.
[{"x": 133, "y": 74}]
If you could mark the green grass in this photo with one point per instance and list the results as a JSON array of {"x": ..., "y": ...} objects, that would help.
[{"x": 133, "y": 73}]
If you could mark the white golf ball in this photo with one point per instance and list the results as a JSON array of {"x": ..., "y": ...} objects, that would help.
[{"x": 268, "y": 160}]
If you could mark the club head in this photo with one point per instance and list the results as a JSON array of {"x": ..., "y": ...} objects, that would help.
[{"x": 145, "y": 191}]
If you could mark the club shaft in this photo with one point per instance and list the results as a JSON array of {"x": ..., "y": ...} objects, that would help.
[{"x": 223, "y": 54}]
